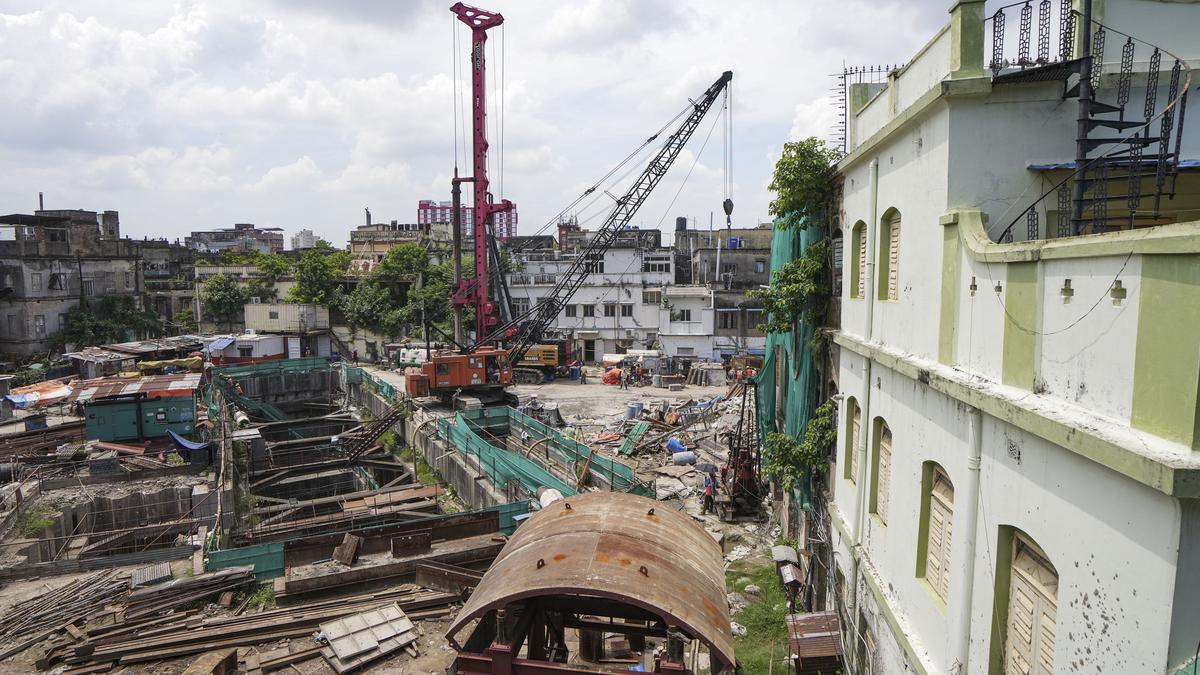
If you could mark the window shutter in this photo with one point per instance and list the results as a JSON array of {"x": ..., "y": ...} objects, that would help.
[
  {"x": 883, "y": 478},
  {"x": 893, "y": 291},
  {"x": 861, "y": 243},
  {"x": 941, "y": 535},
  {"x": 853, "y": 463},
  {"x": 1032, "y": 614}
]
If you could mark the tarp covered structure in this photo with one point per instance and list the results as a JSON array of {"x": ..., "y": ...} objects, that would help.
[{"x": 788, "y": 356}]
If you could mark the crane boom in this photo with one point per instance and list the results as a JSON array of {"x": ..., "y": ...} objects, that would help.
[{"x": 524, "y": 330}]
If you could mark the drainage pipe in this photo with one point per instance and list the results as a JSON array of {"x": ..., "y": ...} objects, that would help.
[
  {"x": 964, "y": 549},
  {"x": 865, "y": 432}
]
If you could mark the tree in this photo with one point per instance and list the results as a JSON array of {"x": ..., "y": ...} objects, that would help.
[
  {"x": 272, "y": 267},
  {"x": 798, "y": 290},
  {"x": 803, "y": 183},
  {"x": 317, "y": 275},
  {"x": 111, "y": 319},
  {"x": 790, "y": 459},
  {"x": 222, "y": 297},
  {"x": 185, "y": 320},
  {"x": 367, "y": 306}
]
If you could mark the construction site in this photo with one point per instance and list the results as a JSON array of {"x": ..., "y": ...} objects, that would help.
[{"x": 496, "y": 506}]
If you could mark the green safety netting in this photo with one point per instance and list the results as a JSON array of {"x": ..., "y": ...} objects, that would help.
[
  {"x": 788, "y": 356},
  {"x": 621, "y": 477},
  {"x": 501, "y": 466}
]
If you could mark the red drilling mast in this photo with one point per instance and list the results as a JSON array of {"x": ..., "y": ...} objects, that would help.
[{"x": 475, "y": 293}]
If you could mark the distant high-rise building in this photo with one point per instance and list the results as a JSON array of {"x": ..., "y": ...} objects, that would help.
[
  {"x": 430, "y": 211},
  {"x": 303, "y": 239}
]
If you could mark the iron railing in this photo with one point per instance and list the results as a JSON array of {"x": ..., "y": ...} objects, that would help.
[{"x": 1124, "y": 185}]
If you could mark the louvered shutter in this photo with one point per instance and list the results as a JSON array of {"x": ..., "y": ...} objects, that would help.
[
  {"x": 1032, "y": 614},
  {"x": 860, "y": 241},
  {"x": 854, "y": 437},
  {"x": 893, "y": 280},
  {"x": 941, "y": 535},
  {"x": 883, "y": 477}
]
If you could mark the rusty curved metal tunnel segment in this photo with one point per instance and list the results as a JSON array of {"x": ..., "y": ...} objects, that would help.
[{"x": 617, "y": 546}]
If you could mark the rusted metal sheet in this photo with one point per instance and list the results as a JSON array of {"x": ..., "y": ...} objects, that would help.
[
  {"x": 414, "y": 542},
  {"x": 617, "y": 546},
  {"x": 447, "y": 578},
  {"x": 816, "y": 642}
]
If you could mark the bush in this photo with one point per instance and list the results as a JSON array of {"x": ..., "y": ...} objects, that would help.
[
  {"x": 34, "y": 520},
  {"x": 791, "y": 459}
]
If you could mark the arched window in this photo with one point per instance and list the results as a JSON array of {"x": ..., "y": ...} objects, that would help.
[
  {"x": 858, "y": 264},
  {"x": 853, "y": 434},
  {"x": 1026, "y": 614},
  {"x": 881, "y": 469},
  {"x": 889, "y": 255},
  {"x": 936, "y": 529}
]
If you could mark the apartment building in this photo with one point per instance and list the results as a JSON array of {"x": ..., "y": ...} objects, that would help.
[
  {"x": 630, "y": 300},
  {"x": 303, "y": 239},
  {"x": 55, "y": 260},
  {"x": 1015, "y": 483},
  {"x": 242, "y": 237},
  {"x": 431, "y": 211}
]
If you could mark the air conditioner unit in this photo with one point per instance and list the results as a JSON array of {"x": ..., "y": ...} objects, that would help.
[
  {"x": 255, "y": 300},
  {"x": 629, "y": 332}
]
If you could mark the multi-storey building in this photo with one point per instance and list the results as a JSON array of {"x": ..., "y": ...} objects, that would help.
[
  {"x": 167, "y": 279},
  {"x": 1017, "y": 471},
  {"x": 371, "y": 242},
  {"x": 630, "y": 300},
  {"x": 242, "y": 237},
  {"x": 56, "y": 260},
  {"x": 303, "y": 239},
  {"x": 430, "y": 211}
]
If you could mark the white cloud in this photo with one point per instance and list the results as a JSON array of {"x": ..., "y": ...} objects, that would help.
[{"x": 297, "y": 114}]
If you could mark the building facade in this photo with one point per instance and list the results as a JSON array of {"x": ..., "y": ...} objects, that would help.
[
  {"x": 303, "y": 239},
  {"x": 242, "y": 237},
  {"x": 630, "y": 300},
  {"x": 430, "y": 211},
  {"x": 1014, "y": 483},
  {"x": 57, "y": 260}
]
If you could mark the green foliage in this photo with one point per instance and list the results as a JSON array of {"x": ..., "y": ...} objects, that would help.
[
  {"x": 317, "y": 274},
  {"x": 765, "y": 618},
  {"x": 262, "y": 598},
  {"x": 222, "y": 297},
  {"x": 792, "y": 459},
  {"x": 34, "y": 520},
  {"x": 799, "y": 290},
  {"x": 261, "y": 288},
  {"x": 175, "y": 459},
  {"x": 110, "y": 319},
  {"x": 273, "y": 267},
  {"x": 369, "y": 306},
  {"x": 402, "y": 263},
  {"x": 802, "y": 183},
  {"x": 185, "y": 320}
]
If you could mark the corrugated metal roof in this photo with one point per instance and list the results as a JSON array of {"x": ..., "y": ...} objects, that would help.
[
  {"x": 617, "y": 546},
  {"x": 157, "y": 345},
  {"x": 154, "y": 385}
]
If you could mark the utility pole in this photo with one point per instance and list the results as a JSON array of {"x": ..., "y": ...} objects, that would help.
[{"x": 1083, "y": 120}]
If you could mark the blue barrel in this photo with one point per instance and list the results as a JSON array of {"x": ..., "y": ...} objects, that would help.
[
  {"x": 685, "y": 457},
  {"x": 574, "y": 372},
  {"x": 675, "y": 445},
  {"x": 633, "y": 410}
]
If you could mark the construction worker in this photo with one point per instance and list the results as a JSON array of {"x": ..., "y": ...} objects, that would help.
[{"x": 710, "y": 487}]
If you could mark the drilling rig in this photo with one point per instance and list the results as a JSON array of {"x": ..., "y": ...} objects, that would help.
[{"x": 484, "y": 367}]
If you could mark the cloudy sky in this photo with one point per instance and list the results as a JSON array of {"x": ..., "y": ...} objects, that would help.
[{"x": 300, "y": 113}]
